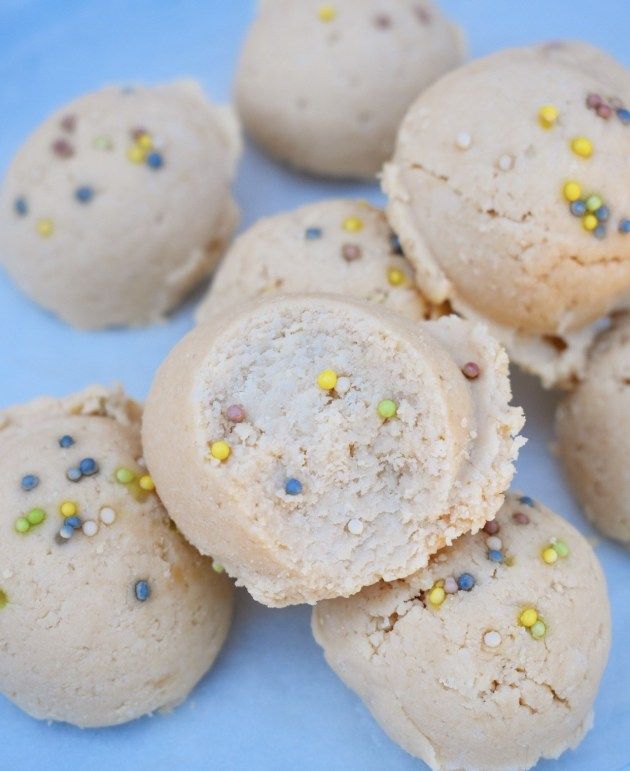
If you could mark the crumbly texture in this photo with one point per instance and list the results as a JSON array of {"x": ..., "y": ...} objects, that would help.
[
  {"x": 327, "y": 94},
  {"x": 109, "y": 214},
  {"x": 378, "y": 495},
  {"x": 339, "y": 246},
  {"x": 476, "y": 193},
  {"x": 429, "y": 674},
  {"x": 593, "y": 428},
  {"x": 76, "y": 644}
]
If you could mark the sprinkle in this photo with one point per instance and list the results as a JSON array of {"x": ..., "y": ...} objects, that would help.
[
  {"x": 528, "y": 617},
  {"x": 396, "y": 277},
  {"x": 604, "y": 111},
  {"x": 492, "y": 639},
  {"x": 74, "y": 474},
  {"x": 578, "y": 208},
  {"x": 155, "y": 160},
  {"x": 465, "y": 582},
  {"x": 20, "y": 206},
  {"x": 312, "y": 234},
  {"x": 494, "y": 555},
  {"x": 582, "y": 146},
  {"x": 395, "y": 245},
  {"x": 146, "y": 483},
  {"x": 22, "y": 525},
  {"x": 547, "y": 116},
  {"x": 437, "y": 595},
  {"x": 506, "y": 162},
  {"x": 4, "y": 600},
  {"x": 624, "y": 226},
  {"x": 382, "y": 21},
  {"x": 235, "y": 413},
  {"x": 471, "y": 370},
  {"x": 68, "y": 123},
  {"x": 549, "y": 555},
  {"x": 107, "y": 515},
  {"x": 520, "y": 518},
  {"x": 423, "y": 15},
  {"x": 136, "y": 154},
  {"x": 603, "y": 213},
  {"x": 593, "y": 203},
  {"x": 220, "y": 450},
  {"x": 45, "y": 227},
  {"x": 589, "y": 222},
  {"x": 142, "y": 138},
  {"x": 355, "y": 526},
  {"x": 90, "y": 528},
  {"x": 623, "y": 115},
  {"x": 217, "y": 567},
  {"x": 84, "y": 194},
  {"x": 343, "y": 385},
  {"x": 353, "y": 224},
  {"x": 561, "y": 549},
  {"x": 36, "y": 516},
  {"x": 593, "y": 101},
  {"x": 463, "y": 140},
  {"x": 326, "y": 12},
  {"x": 66, "y": 441},
  {"x": 492, "y": 527},
  {"x": 88, "y": 467},
  {"x": 293, "y": 486},
  {"x": 450, "y": 585},
  {"x": 351, "y": 252},
  {"x": 29, "y": 482},
  {"x": 65, "y": 532},
  {"x": 73, "y": 522},
  {"x": 494, "y": 543},
  {"x": 68, "y": 509},
  {"x": 327, "y": 379},
  {"x": 125, "y": 475},
  {"x": 538, "y": 630},
  {"x": 599, "y": 232},
  {"x": 387, "y": 409},
  {"x": 142, "y": 590},
  {"x": 572, "y": 191},
  {"x": 102, "y": 143},
  {"x": 62, "y": 148}
]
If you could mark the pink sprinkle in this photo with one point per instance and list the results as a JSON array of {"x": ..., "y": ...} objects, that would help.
[
  {"x": 471, "y": 370},
  {"x": 62, "y": 148},
  {"x": 351, "y": 252},
  {"x": 382, "y": 21},
  {"x": 520, "y": 518},
  {"x": 492, "y": 527},
  {"x": 604, "y": 111},
  {"x": 68, "y": 123},
  {"x": 450, "y": 585},
  {"x": 593, "y": 101},
  {"x": 423, "y": 14},
  {"x": 235, "y": 413}
]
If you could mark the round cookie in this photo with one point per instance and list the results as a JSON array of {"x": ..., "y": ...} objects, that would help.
[
  {"x": 508, "y": 189},
  {"x": 106, "y": 613},
  {"x": 593, "y": 428},
  {"x": 119, "y": 203},
  {"x": 316, "y": 444},
  {"x": 323, "y": 86},
  {"x": 490, "y": 658},
  {"x": 339, "y": 246}
]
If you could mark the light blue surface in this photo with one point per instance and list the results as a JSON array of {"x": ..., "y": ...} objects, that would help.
[{"x": 270, "y": 702}]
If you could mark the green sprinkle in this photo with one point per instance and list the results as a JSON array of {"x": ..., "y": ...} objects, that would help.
[
  {"x": 538, "y": 630},
  {"x": 560, "y": 548},
  {"x": 387, "y": 409},
  {"x": 594, "y": 202},
  {"x": 22, "y": 525},
  {"x": 217, "y": 567},
  {"x": 4, "y": 600},
  {"x": 125, "y": 475},
  {"x": 36, "y": 516}
]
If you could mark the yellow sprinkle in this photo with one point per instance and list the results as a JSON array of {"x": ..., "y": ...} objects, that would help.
[
  {"x": 590, "y": 222},
  {"x": 45, "y": 227},
  {"x": 353, "y": 224},
  {"x": 572, "y": 191},
  {"x": 548, "y": 115},
  {"x": 396, "y": 277},
  {"x": 146, "y": 483},
  {"x": 221, "y": 450},
  {"x": 549, "y": 555},
  {"x": 136, "y": 154},
  {"x": 145, "y": 141},
  {"x": 326, "y": 12},
  {"x": 437, "y": 595},
  {"x": 68, "y": 509},
  {"x": 327, "y": 379},
  {"x": 528, "y": 617},
  {"x": 582, "y": 146}
]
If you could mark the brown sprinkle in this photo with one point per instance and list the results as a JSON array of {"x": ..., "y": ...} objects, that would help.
[
  {"x": 471, "y": 370},
  {"x": 62, "y": 148},
  {"x": 351, "y": 252}
]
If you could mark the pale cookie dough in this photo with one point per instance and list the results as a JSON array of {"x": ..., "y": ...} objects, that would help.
[
  {"x": 509, "y": 191},
  {"x": 339, "y": 246},
  {"x": 593, "y": 427},
  {"x": 106, "y": 613},
  {"x": 120, "y": 203},
  {"x": 490, "y": 658},
  {"x": 315, "y": 444},
  {"x": 323, "y": 86}
]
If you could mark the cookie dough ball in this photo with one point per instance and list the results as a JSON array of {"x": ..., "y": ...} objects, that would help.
[
  {"x": 491, "y": 657},
  {"x": 593, "y": 427},
  {"x": 106, "y": 613},
  {"x": 315, "y": 444},
  {"x": 344, "y": 247},
  {"x": 509, "y": 191},
  {"x": 323, "y": 86},
  {"x": 120, "y": 203}
]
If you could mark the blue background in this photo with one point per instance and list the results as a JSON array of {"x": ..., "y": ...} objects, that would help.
[{"x": 270, "y": 702}]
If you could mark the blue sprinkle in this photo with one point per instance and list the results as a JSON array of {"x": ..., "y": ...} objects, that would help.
[
  {"x": 599, "y": 232},
  {"x": 623, "y": 115},
  {"x": 66, "y": 441},
  {"x": 526, "y": 500},
  {"x": 624, "y": 226},
  {"x": 142, "y": 590},
  {"x": 293, "y": 486},
  {"x": 465, "y": 582},
  {"x": 495, "y": 555},
  {"x": 603, "y": 213},
  {"x": 74, "y": 474},
  {"x": 84, "y": 194},
  {"x": 29, "y": 482},
  {"x": 88, "y": 466},
  {"x": 395, "y": 244},
  {"x": 66, "y": 532},
  {"x": 20, "y": 206},
  {"x": 74, "y": 522},
  {"x": 312, "y": 234},
  {"x": 155, "y": 160},
  {"x": 578, "y": 208}
]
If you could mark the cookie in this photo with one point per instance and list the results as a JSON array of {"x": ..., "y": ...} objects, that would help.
[
  {"x": 339, "y": 246},
  {"x": 316, "y": 444},
  {"x": 108, "y": 213},
  {"x": 489, "y": 658},
  {"x": 593, "y": 428},
  {"x": 323, "y": 86},
  {"x": 106, "y": 613},
  {"x": 508, "y": 189}
]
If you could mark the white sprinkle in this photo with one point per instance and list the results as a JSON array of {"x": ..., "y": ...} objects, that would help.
[
  {"x": 355, "y": 526},
  {"x": 141, "y": 462},
  {"x": 506, "y": 162},
  {"x": 108, "y": 515},
  {"x": 450, "y": 585},
  {"x": 463, "y": 140},
  {"x": 343, "y": 385},
  {"x": 7, "y": 573},
  {"x": 100, "y": 549},
  {"x": 90, "y": 527},
  {"x": 494, "y": 542},
  {"x": 492, "y": 639}
]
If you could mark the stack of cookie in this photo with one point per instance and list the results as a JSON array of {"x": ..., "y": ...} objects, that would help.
[{"x": 337, "y": 429}]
